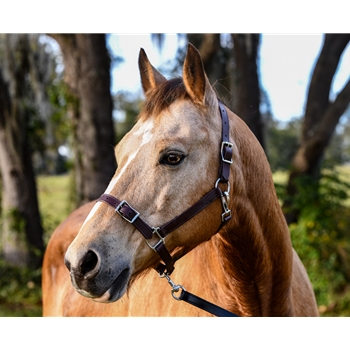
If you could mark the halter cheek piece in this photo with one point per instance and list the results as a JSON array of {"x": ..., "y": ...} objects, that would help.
[{"x": 128, "y": 213}]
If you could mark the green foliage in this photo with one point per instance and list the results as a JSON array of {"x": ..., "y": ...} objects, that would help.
[
  {"x": 20, "y": 291},
  {"x": 35, "y": 129},
  {"x": 16, "y": 222},
  {"x": 322, "y": 239},
  {"x": 62, "y": 127},
  {"x": 281, "y": 142}
]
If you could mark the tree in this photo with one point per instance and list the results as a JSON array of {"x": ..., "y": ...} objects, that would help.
[
  {"x": 43, "y": 76},
  {"x": 320, "y": 119},
  {"x": 246, "y": 85},
  {"x": 22, "y": 242},
  {"x": 87, "y": 74}
]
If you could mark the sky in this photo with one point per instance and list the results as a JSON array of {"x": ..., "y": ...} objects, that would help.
[{"x": 286, "y": 62}]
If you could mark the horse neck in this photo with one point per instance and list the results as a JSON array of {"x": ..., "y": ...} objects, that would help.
[{"x": 254, "y": 250}]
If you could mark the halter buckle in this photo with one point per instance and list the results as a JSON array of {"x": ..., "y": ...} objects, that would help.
[
  {"x": 224, "y": 146},
  {"x": 161, "y": 239},
  {"x": 131, "y": 209}
]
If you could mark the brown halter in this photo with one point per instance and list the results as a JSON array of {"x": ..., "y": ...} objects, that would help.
[{"x": 124, "y": 209}]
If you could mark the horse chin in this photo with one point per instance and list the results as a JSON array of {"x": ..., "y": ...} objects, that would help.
[
  {"x": 117, "y": 289},
  {"x": 114, "y": 292}
]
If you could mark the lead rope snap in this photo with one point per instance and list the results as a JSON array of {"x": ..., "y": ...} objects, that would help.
[{"x": 175, "y": 288}]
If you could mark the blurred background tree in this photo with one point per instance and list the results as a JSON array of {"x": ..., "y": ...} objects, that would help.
[
  {"x": 87, "y": 75},
  {"x": 21, "y": 131},
  {"x": 320, "y": 119}
]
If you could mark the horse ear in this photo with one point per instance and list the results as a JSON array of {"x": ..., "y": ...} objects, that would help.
[
  {"x": 150, "y": 77},
  {"x": 195, "y": 79}
]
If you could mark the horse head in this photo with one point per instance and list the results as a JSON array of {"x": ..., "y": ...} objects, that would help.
[{"x": 166, "y": 163}]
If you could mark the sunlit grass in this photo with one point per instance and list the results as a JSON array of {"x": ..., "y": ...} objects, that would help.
[{"x": 54, "y": 201}]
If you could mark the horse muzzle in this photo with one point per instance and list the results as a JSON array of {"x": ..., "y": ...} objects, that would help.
[{"x": 102, "y": 282}]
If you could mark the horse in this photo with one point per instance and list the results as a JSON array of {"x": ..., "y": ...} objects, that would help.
[{"x": 192, "y": 198}]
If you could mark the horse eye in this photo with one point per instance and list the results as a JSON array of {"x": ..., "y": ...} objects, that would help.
[{"x": 172, "y": 159}]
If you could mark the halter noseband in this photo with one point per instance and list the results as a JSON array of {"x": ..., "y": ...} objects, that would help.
[{"x": 128, "y": 213}]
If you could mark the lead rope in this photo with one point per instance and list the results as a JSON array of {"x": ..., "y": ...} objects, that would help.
[{"x": 194, "y": 300}]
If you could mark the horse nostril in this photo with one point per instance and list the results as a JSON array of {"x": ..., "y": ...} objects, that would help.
[{"x": 88, "y": 263}]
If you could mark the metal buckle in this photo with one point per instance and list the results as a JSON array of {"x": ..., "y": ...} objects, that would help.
[
  {"x": 122, "y": 203},
  {"x": 227, "y": 144},
  {"x": 161, "y": 239}
]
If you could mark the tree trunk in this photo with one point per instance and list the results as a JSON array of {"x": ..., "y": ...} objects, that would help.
[
  {"x": 22, "y": 242},
  {"x": 42, "y": 73},
  {"x": 246, "y": 86},
  {"x": 320, "y": 119},
  {"x": 87, "y": 74}
]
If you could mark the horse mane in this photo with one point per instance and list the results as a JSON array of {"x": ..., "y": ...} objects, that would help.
[{"x": 161, "y": 97}]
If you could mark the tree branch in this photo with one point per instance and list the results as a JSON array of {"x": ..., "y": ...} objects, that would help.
[
  {"x": 320, "y": 85},
  {"x": 333, "y": 113}
]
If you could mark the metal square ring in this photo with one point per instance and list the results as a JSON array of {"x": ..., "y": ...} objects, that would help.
[{"x": 161, "y": 239}]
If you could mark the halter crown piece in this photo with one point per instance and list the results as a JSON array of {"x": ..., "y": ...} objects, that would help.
[{"x": 131, "y": 215}]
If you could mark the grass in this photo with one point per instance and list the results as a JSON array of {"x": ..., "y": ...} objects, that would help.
[{"x": 54, "y": 201}]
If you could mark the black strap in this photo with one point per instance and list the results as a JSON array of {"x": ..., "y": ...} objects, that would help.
[
  {"x": 188, "y": 214},
  {"x": 125, "y": 210},
  {"x": 226, "y": 146},
  {"x": 205, "y": 305}
]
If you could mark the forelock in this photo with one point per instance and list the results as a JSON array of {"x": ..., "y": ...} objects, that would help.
[{"x": 163, "y": 96}]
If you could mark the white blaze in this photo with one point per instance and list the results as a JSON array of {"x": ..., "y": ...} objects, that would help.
[{"x": 146, "y": 131}]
